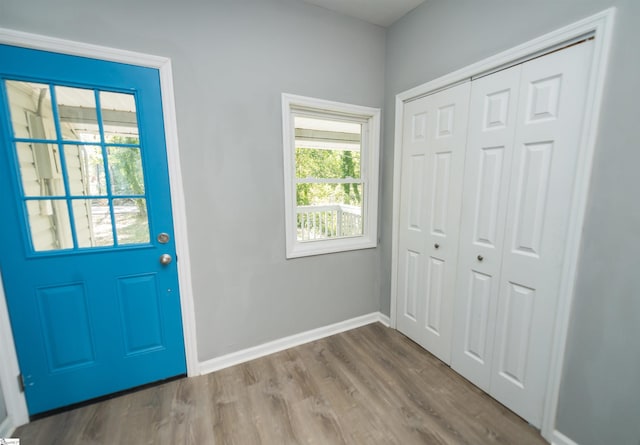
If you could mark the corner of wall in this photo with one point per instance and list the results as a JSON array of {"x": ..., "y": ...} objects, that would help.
[
  {"x": 557, "y": 438},
  {"x": 7, "y": 427}
]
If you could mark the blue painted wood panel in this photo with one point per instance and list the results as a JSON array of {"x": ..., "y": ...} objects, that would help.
[
  {"x": 64, "y": 319},
  {"x": 140, "y": 314}
]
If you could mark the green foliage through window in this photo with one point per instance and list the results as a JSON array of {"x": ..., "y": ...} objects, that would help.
[{"x": 327, "y": 164}]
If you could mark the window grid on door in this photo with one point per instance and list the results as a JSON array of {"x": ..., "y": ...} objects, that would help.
[{"x": 77, "y": 216}]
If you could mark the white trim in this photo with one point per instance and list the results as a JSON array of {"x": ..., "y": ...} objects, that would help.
[
  {"x": 6, "y": 428},
  {"x": 53, "y": 44},
  {"x": 591, "y": 24},
  {"x": 183, "y": 257},
  {"x": 245, "y": 355},
  {"x": 557, "y": 438},
  {"x": 163, "y": 64},
  {"x": 17, "y": 413},
  {"x": 601, "y": 26},
  {"x": 370, "y": 166},
  {"x": 395, "y": 223},
  {"x": 382, "y": 318}
]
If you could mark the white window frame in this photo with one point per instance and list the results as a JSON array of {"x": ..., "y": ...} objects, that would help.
[{"x": 293, "y": 105}]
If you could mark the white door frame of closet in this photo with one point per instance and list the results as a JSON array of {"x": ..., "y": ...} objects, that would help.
[{"x": 599, "y": 26}]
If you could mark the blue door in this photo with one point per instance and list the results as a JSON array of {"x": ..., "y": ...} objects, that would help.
[{"x": 86, "y": 231}]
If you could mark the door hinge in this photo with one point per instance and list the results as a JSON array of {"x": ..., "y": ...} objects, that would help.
[{"x": 21, "y": 382}]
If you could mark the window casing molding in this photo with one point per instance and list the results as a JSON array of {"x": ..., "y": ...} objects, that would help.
[{"x": 292, "y": 106}]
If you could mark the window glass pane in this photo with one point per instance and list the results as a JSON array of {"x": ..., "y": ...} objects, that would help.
[
  {"x": 327, "y": 148},
  {"x": 91, "y": 167},
  {"x": 327, "y": 194},
  {"x": 322, "y": 163},
  {"x": 125, "y": 169},
  {"x": 40, "y": 169},
  {"x": 77, "y": 113},
  {"x": 329, "y": 211},
  {"x": 132, "y": 224},
  {"x": 85, "y": 170},
  {"x": 93, "y": 222},
  {"x": 49, "y": 225},
  {"x": 30, "y": 105},
  {"x": 119, "y": 120}
]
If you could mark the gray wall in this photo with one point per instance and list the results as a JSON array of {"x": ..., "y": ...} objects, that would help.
[
  {"x": 600, "y": 391},
  {"x": 231, "y": 61}
]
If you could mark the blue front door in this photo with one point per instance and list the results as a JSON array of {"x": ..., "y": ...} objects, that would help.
[{"x": 86, "y": 218}]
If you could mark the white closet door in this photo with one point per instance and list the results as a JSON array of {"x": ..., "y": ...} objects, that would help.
[
  {"x": 524, "y": 136},
  {"x": 434, "y": 138},
  {"x": 546, "y": 148},
  {"x": 492, "y": 125}
]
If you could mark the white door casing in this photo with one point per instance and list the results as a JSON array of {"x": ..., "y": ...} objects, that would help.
[{"x": 433, "y": 162}]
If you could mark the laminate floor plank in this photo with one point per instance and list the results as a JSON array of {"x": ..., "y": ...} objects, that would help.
[
  {"x": 393, "y": 400},
  {"x": 370, "y": 385},
  {"x": 231, "y": 410},
  {"x": 363, "y": 423}
]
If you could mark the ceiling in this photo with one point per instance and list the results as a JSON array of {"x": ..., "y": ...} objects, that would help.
[{"x": 378, "y": 12}]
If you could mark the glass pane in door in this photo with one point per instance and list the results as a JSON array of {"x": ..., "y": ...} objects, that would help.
[
  {"x": 119, "y": 119},
  {"x": 125, "y": 167},
  {"x": 77, "y": 113},
  {"x": 40, "y": 169},
  {"x": 49, "y": 224},
  {"x": 30, "y": 108},
  {"x": 132, "y": 225},
  {"x": 92, "y": 220}
]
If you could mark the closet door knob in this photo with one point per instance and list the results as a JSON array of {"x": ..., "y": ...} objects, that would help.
[
  {"x": 436, "y": 245},
  {"x": 480, "y": 258}
]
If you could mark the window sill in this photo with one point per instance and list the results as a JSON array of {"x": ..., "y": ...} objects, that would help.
[{"x": 298, "y": 249}]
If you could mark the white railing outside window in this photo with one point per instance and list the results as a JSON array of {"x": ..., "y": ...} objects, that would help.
[{"x": 319, "y": 222}]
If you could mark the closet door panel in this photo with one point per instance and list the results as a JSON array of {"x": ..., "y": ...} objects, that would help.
[
  {"x": 492, "y": 124},
  {"x": 434, "y": 138},
  {"x": 476, "y": 316},
  {"x": 545, "y": 155},
  {"x": 490, "y": 172},
  {"x": 447, "y": 149},
  {"x": 413, "y": 223}
]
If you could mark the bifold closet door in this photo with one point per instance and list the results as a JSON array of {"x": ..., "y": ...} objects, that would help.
[
  {"x": 518, "y": 196},
  {"x": 434, "y": 138},
  {"x": 492, "y": 124}
]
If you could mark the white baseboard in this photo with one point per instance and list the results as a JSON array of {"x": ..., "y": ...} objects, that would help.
[
  {"x": 281, "y": 344},
  {"x": 384, "y": 319},
  {"x": 6, "y": 427},
  {"x": 558, "y": 438}
]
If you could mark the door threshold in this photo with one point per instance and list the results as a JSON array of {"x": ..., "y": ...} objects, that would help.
[{"x": 103, "y": 398}]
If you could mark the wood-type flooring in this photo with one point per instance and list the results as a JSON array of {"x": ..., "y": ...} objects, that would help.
[{"x": 370, "y": 385}]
